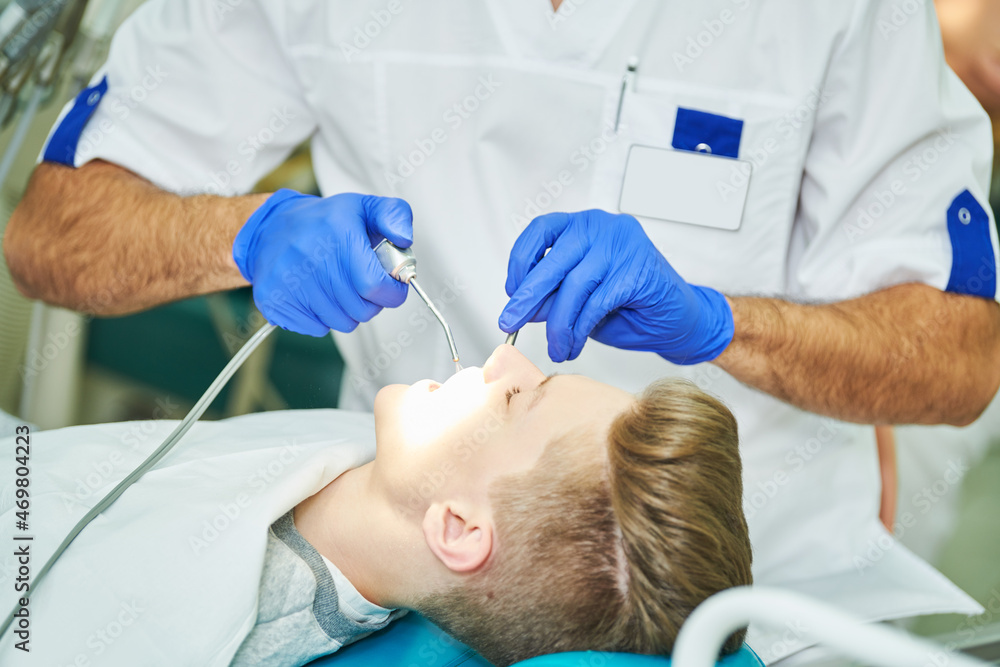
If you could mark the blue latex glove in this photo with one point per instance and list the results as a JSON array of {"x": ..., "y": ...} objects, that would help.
[
  {"x": 603, "y": 278},
  {"x": 311, "y": 263}
]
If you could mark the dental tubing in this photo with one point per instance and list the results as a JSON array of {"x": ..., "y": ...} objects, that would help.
[{"x": 183, "y": 427}]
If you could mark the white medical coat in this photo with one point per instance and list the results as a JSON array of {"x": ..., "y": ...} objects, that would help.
[
  {"x": 169, "y": 574},
  {"x": 485, "y": 114}
]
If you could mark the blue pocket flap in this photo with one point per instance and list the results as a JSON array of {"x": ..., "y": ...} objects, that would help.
[{"x": 696, "y": 130}]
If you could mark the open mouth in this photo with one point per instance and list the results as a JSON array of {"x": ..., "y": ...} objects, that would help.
[
  {"x": 425, "y": 385},
  {"x": 430, "y": 386}
]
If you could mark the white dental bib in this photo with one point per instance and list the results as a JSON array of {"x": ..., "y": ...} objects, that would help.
[{"x": 170, "y": 573}]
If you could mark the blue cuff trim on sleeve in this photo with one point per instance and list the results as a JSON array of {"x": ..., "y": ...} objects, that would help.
[
  {"x": 63, "y": 142},
  {"x": 973, "y": 267},
  {"x": 694, "y": 130}
]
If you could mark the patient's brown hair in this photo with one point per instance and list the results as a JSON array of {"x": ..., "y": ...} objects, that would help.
[{"x": 611, "y": 555}]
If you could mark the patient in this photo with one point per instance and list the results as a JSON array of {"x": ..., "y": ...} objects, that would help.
[{"x": 523, "y": 514}]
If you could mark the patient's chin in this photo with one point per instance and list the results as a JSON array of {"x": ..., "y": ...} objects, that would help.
[{"x": 387, "y": 401}]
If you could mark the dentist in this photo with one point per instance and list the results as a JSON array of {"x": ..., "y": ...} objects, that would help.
[{"x": 782, "y": 201}]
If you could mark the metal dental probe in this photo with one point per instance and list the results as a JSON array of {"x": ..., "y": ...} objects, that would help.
[{"x": 402, "y": 265}]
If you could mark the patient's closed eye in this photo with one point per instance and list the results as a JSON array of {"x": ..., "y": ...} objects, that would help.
[{"x": 511, "y": 392}]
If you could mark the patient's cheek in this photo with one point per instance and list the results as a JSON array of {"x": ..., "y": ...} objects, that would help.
[
  {"x": 482, "y": 433},
  {"x": 463, "y": 452}
]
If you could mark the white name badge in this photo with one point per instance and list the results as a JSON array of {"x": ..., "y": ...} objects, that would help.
[{"x": 683, "y": 186}]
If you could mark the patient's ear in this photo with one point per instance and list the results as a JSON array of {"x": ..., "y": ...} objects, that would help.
[{"x": 460, "y": 538}]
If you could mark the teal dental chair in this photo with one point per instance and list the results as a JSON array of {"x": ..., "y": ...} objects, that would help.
[{"x": 413, "y": 641}]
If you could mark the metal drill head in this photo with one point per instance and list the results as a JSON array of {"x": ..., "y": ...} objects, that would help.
[
  {"x": 401, "y": 264},
  {"x": 398, "y": 262}
]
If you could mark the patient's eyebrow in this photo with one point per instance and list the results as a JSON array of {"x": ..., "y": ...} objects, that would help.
[{"x": 537, "y": 394}]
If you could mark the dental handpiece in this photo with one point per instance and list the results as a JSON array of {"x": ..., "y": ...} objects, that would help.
[{"x": 402, "y": 265}]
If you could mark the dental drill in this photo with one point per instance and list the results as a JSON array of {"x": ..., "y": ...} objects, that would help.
[{"x": 402, "y": 265}]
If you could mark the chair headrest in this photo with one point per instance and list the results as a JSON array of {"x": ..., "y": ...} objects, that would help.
[
  {"x": 415, "y": 640},
  {"x": 745, "y": 657}
]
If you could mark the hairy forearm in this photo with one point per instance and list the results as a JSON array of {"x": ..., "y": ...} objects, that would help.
[
  {"x": 101, "y": 240},
  {"x": 907, "y": 354}
]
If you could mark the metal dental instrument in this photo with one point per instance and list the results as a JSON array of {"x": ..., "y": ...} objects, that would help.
[
  {"x": 402, "y": 265},
  {"x": 512, "y": 338}
]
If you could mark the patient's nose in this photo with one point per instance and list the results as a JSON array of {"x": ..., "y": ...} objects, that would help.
[{"x": 506, "y": 362}]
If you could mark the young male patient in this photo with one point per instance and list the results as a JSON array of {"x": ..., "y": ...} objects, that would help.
[{"x": 523, "y": 514}]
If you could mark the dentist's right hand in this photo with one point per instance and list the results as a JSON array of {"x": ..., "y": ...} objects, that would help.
[{"x": 311, "y": 263}]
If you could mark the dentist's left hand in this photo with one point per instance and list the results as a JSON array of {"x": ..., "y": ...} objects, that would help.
[
  {"x": 597, "y": 275},
  {"x": 311, "y": 263}
]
